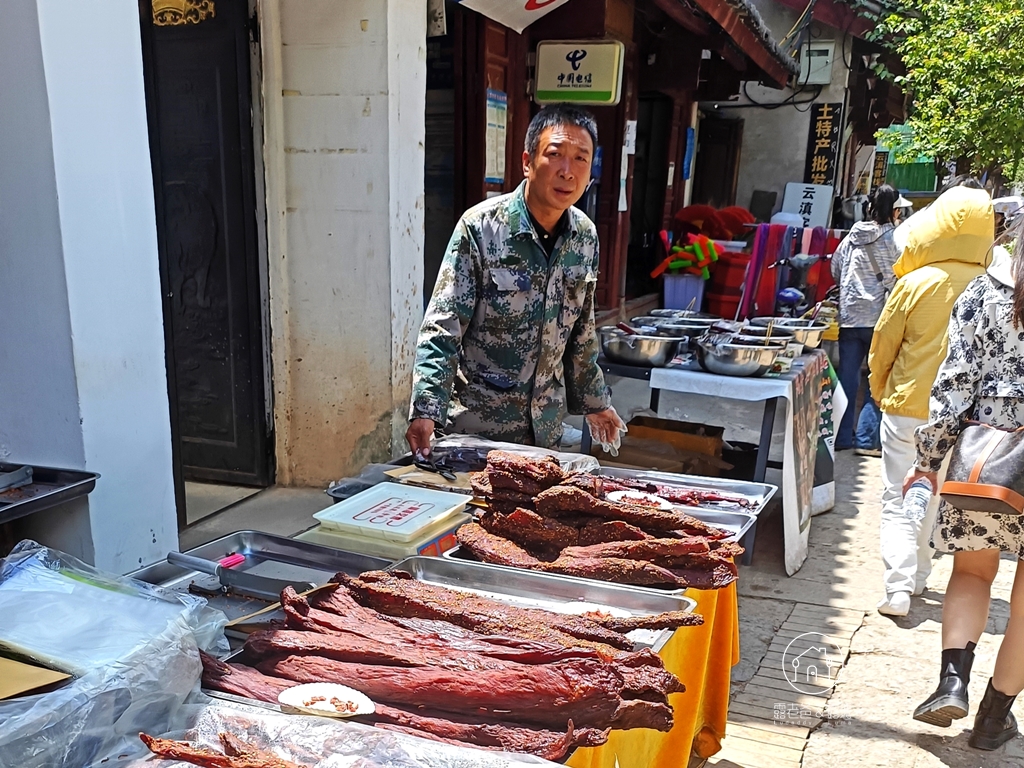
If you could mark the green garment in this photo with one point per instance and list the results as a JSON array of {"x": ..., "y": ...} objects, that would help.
[{"x": 508, "y": 341}]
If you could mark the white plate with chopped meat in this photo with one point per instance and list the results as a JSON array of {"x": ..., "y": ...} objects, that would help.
[
  {"x": 327, "y": 699},
  {"x": 640, "y": 497}
]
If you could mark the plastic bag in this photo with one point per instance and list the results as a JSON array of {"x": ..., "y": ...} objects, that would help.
[
  {"x": 320, "y": 742},
  {"x": 571, "y": 462},
  {"x": 132, "y": 672}
]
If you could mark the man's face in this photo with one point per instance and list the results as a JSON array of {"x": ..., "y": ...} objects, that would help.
[{"x": 559, "y": 172}]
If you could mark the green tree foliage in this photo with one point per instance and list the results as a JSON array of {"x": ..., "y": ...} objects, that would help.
[{"x": 965, "y": 76}]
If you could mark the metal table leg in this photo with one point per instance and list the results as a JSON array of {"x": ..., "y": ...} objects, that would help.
[
  {"x": 765, "y": 443},
  {"x": 655, "y": 399},
  {"x": 586, "y": 442}
]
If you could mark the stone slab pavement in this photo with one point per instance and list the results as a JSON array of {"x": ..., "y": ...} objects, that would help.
[{"x": 892, "y": 664}]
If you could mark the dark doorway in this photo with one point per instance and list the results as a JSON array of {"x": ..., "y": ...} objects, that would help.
[
  {"x": 199, "y": 100},
  {"x": 650, "y": 180},
  {"x": 717, "y": 165},
  {"x": 439, "y": 152}
]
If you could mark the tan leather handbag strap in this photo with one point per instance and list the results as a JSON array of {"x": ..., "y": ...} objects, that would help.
[{"x": 986, "y": 454}]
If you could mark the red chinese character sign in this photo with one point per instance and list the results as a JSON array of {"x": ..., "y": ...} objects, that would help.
[
  {"x": 823, "y": 143},
  {"x": 514, "y": 14}
]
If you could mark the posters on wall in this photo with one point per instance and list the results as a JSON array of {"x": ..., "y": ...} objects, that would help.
[
  {"x": 823, "y": 143},
  {"x": 497, "y": 122}
]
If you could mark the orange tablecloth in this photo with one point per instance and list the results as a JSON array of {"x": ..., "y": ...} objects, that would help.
[{"x": 702, "y": 657}]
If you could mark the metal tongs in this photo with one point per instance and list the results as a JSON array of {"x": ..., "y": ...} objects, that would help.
[{"x": 427, "y": 464}]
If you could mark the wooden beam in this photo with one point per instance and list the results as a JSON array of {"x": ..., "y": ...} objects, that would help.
[
  {"x": 685, "y": 19},
  {"x": 751, "y": 45}
]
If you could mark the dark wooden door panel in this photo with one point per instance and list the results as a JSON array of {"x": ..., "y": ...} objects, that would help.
[{"x": 201, "y": 137}]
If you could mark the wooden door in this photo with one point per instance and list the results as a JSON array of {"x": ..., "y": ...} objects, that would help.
[
  {"x": 717, "y": 164},
  {"x": 198, "y": 92}
]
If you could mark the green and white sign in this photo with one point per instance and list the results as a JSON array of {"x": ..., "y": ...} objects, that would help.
[{"x": 580, "y": 71}]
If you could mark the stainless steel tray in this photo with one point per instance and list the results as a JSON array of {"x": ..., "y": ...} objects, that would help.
[
  {"x": 533, "y": 589},
  {"x": 759, "y": 494},
  {"x": 266, "y": 555},
  {"x": 49, "y": 487}
]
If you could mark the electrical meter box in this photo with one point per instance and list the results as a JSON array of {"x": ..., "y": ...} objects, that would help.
[{"x": 816, "y": 62}]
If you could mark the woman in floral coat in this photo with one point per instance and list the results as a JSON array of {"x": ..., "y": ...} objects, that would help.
[{"x": 981, "y": 379}]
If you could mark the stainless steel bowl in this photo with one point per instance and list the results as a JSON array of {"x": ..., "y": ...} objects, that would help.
[
  {"x": 684, "y": 314},
  {"x": 626, "y": 349},
  {"x": 671, "y": 327},
  {"x": 753, "y": 334},
  {"x": 738, "y": 359},
  {"x": 807, "y": 332}
]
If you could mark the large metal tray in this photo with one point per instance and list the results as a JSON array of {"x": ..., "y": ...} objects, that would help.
[
  {"x": 266, "y": 555},
  {"x": 50, "y": 486},
  {"x": 759, "y": 494},
  {"x": 532, "y": 589}
]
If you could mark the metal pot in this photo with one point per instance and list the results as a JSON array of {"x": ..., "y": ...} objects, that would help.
[
  {"x": 627, "y": 349},
  {"x": 807, "y": 332},
  {"x": 752, "y": 334},
  {"x": 670, "y": 327},
  {"x": 738, "y": 359},
  {"x": 684, "y": 314}
]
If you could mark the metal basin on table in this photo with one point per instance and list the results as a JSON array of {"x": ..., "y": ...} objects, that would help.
[
  {"x": 807, "y": 332},
  {"x": 738, "y": 359},
  {"x": 627, "y": 349}
]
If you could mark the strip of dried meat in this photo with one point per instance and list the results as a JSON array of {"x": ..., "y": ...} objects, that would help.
[
  {"x": 718, "y": 577},
  {"x": 617, "y": 569},
  {"x": 388, "y": 594},
  {"x": 592, "y": 484},
  {"x": 639, "y": 681},
  {"x": 550, "y": 745},
  {"x": 545, "y": 471},
  {"x": 528, "y": 529},
  {"x": 648, "y": 549},
  {"x": 488, "y": 548},
  {"x": 243, "y": 755},
  {"x": 643, "y": 714},
  {"x": 727, "y": 548},
  {"x": 667, "y": 620},
  {"x": 583, "y": 690},
  {"x": 561, "y": 499},
  {"x": 601, "y": 531},
  {"x": 691, "y": 526},
  {"x": 241, "y": 680},
  {"x": 707, "y": 561}
]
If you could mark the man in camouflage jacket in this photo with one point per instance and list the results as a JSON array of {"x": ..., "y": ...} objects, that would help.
[{"x": 508, "y": 340}]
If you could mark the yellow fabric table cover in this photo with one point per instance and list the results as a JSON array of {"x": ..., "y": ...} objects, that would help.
[{"x": 703, "y": 658}]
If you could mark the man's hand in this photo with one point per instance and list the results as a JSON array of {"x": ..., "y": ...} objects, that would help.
[
  {"x": 418, "y": 436},
  {"x": 916, "y": 474},
  {"x": 605, "y": 425}
]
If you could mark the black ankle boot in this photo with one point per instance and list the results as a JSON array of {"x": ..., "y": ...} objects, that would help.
[
  {"x": 995, "y": 724},
  {"x": 949, "y": 702}
]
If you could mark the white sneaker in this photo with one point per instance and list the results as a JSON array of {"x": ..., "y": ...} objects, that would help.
[
  {"x": 571, "y": 437},
  {"x": 920, "y": 585},
  {"x": 896, "y": 604}
]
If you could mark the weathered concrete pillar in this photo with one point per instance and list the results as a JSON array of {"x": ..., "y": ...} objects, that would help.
[{"x": 344, "y": 88}]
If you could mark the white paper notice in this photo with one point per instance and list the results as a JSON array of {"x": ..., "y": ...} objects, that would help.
[
  {"x": 623, "y": 175},
  {"x": 497, "y": 120},
  {"x": 630, "y": 140}
]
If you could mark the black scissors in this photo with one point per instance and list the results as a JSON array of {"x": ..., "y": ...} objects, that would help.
[{"x": 427, "y": 464}]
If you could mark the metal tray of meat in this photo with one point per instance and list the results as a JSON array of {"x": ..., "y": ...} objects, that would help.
[
  {"x": 560, "y": 594},
  {"x": 49, "y": 487},
  {"x": 265, "y": 555},
  {"x": 758, "y": 494}
]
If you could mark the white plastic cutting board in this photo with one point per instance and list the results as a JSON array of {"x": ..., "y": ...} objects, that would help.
[{"x": 392, "y": 511}]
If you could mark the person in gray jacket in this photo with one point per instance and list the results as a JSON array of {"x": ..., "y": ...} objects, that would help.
[{"x": 862, "y": 267}]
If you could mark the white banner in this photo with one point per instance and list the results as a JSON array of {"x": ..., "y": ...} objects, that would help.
[{"x": 515, "y": 14}]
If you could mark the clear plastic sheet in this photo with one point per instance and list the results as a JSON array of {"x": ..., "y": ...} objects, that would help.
[
  {"x": 132, "y": 672},
  {"x": 571, "y": 462},
  {"x": 319, "y": 742}
]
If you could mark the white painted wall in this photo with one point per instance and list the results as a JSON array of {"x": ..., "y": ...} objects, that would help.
[
  {"x": 774, "y": 146},
  {"x": 344, "y": 92},
  {"x": 95, "y": 176}
]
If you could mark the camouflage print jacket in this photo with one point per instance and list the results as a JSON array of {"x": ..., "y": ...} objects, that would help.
[{"x": 508, "y": 341}]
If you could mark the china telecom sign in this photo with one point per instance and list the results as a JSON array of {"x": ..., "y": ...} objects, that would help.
[{"x": 580, "y": 71}]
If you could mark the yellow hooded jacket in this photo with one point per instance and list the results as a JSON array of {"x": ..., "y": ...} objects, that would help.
[{"x": 949, "y": 245}]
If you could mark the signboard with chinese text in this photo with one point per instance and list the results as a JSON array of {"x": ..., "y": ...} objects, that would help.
[
  {"x": 514, "y": 14},
  {"x": 580, "y": 71},
  {"x": 811, "y": 202},
  {"x": 880, "y": 169},
  {"x": 497, "y": 121},
  {"x": 823, "y": 143}
]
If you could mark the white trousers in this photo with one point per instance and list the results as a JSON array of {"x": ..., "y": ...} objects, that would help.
[{"x": 906, "y": 552}]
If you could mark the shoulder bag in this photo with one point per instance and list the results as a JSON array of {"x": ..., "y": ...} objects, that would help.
[{"x": 986, "y": 471}]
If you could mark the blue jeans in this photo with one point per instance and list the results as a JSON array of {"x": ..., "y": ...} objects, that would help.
[
  {"x": 869, "y": 425},
  {"x": 854, "y": 344}
]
